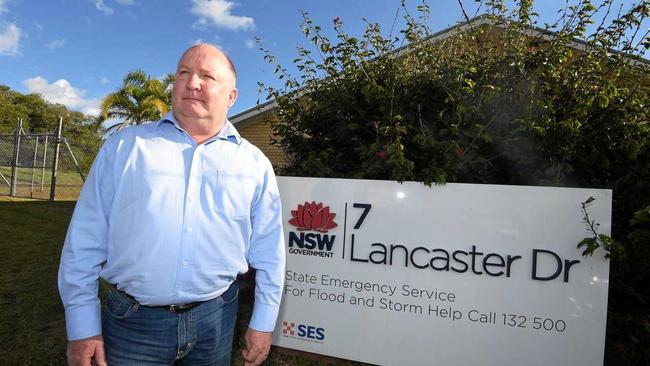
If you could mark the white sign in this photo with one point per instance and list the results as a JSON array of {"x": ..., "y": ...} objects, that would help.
[{"x": 460, "y": 274}]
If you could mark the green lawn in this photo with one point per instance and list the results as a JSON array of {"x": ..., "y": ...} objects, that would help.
[
  {"x": 32, "y": 330},
  {"x": 32, "y": 326}
]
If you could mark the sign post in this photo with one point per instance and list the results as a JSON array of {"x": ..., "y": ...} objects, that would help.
[{"x": 459, "y": 274}]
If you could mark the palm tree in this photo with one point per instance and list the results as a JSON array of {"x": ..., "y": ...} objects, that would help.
[{"x": 140, "y": 99}]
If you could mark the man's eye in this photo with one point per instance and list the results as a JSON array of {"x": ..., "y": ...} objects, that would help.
[{"x": 210, "y": 77}]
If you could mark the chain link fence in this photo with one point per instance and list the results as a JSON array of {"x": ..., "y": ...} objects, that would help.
[{"x": 43, "y": 166}]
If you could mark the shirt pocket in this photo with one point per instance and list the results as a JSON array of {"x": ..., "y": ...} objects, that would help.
[
  {"x": 140, "y": 190},
  {"x": 233, "y": 194}
]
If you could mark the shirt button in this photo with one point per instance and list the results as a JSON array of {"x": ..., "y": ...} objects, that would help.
[
  {"x": 191, "y": 199},
  {"x": 185, "y": 263},
  {"x": 189, "y": 229}
]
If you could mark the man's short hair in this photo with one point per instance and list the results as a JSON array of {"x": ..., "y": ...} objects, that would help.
[{"x": 231, "y": 65}]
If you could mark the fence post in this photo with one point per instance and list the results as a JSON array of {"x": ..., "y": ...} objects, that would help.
[
  {"x": 74, "y": 160},
  {"x": 14, "y": 161},
  {"x": 55, "y": 163},
  {"x": 43, "y": 168},
  {"x": 31, "y": 189}
]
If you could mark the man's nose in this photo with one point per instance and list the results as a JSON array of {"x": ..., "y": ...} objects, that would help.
[{"x": 194, "y": 82}]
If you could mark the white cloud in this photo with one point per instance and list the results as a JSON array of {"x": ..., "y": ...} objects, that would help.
[
  {"x": 126, "y": 2},
  {"x": 57, "y": 43},
  {"x": 61, "y": 91},
  {"x": 9, "y": 40},
  {"x": 104, "y": 80},
  {"x": 38, "y": 25},
  {"x": 249, "y": 43},
  {"x": 2, "y": 7},
  {"x": 217, "y": 13},
  {"x": 99, "y": 4}
]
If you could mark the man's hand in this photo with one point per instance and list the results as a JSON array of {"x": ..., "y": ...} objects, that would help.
[
  {"x": 257, "y": 349},
  {"x": 87, "y": 352}
]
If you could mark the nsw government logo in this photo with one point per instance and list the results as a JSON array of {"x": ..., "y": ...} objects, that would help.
[
  {"x": 312, "y": 222},
  {"x": 305, "y": 332}
]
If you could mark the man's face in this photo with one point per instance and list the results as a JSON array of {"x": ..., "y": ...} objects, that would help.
[{"x": 204, "y": 87}]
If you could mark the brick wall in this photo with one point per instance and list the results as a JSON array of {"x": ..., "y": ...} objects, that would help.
[{"x": 259, "y": 134}]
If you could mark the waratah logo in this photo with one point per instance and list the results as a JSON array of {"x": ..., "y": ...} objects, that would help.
[{"x": 313, "y": 216}]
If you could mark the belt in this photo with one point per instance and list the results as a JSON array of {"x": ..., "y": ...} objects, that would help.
[
  {"x": 174, "y": 308},
  {"x": 181, "y": 308}
]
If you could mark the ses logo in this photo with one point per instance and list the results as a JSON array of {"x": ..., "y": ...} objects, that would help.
[
  {"x": 305, "y": 332},
  {"x": 312, "y": 221}
]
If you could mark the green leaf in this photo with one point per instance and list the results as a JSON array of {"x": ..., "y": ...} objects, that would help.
[{"x": 602, "y": 101}]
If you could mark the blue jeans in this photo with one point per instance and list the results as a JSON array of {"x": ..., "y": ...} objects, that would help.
[{"x": 139, "y": 335}]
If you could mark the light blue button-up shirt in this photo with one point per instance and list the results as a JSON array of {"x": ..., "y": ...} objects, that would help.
[{"x": 171, "y": 222}]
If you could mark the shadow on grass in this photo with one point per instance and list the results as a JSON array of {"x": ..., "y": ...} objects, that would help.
[{"x": 32, "y": 323}]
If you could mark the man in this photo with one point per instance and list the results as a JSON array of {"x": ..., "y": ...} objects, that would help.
[{"x": 170, "y": 214}]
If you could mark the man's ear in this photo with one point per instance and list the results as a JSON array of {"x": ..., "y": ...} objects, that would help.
[{"x": 232, "y": 97}]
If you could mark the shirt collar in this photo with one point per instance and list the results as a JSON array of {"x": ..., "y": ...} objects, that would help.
[{"x": 227, "y": 132}]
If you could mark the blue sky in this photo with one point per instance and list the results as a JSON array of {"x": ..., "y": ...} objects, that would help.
[{"x": 76, "y": 51}]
